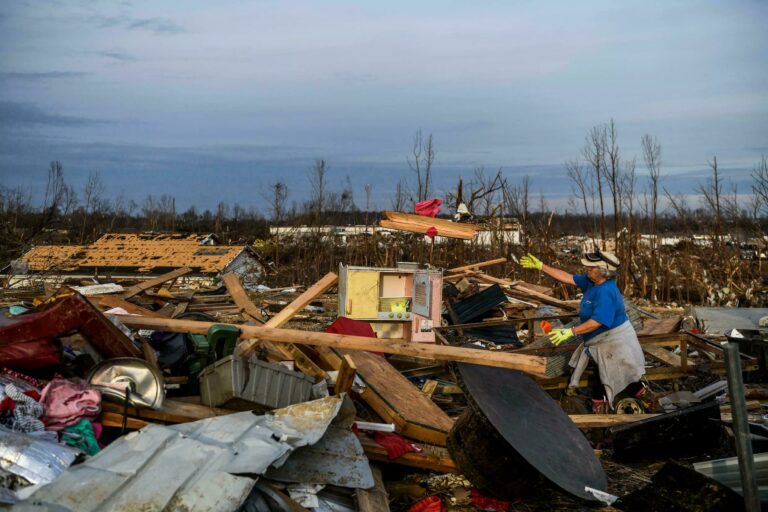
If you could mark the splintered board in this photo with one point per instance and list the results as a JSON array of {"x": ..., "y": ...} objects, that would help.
[{"x": 394, "y": 397}]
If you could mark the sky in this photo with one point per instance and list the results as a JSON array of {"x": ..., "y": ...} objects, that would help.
[{"x": 213, "y": 101}]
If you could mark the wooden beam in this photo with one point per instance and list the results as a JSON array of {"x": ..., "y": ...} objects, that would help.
[
  {"x": 665, "y": 356},
  {"x": 346, "y": 376},
  {"x": 303, "y": 300},
  {"x": 172, "y": 411},
  {"x": 375, "y": 499},
  {"x": 534, "y": 365},
  {"x": 433, "y": 458},
  {"x": 475, "y": 266},
  {"x": 420, "y": 224},
  {"x": 607, "y": 420},
  {"x": 115, "y": 419},
  {"x": 240, "y": 296},
  {"x": 151, "y": 283},
  {"x": 429, "y": 388},
  {"x": 111, "y": 301}
]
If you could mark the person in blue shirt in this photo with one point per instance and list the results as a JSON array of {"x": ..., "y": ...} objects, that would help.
[{"x": 608, "y": 337}]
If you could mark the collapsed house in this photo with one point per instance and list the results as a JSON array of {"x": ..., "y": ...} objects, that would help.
[{"x": 129, "y": 256}]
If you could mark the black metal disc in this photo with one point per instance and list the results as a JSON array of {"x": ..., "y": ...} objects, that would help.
[{"x": 535, "y": 426}]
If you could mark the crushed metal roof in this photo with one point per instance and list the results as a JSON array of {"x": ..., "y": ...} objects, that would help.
[
  {"x": 191, "y": 467},
  {"x": 143, "y": 252}
]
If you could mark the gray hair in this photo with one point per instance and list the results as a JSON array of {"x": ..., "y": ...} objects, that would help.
[{"x": 607, "y": 274}]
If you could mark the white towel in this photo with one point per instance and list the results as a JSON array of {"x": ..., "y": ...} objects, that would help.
[{"x": 619, "y": 357}]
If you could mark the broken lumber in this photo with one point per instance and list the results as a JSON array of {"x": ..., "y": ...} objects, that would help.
[
  {"x": 241, "y": 299},
  {"x": 375, "y": 499},
  {"x": 346, "y": 376},
  {"x": 607, "y": 420},
  {"x": 475, "y": 266},
  {"x": 151, "y": 283},
  {"x": 420, "y": 224},
  {"x": 172, "y": 411},
  {"x": 111, "y": 301},
  {"x": 393, "y": 397},
  {"x": 433, "y": 458},
  {"x": 534, "y": 365}
]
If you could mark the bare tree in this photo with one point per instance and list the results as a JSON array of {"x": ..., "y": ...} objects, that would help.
[
  {"x": 516, "y": 200},
  {"x": 318, "y": 181},
  {"x": 368, "y": 191},
  {"x": 581, "y": 184},
  {"x": 275, "y": 196},
  {"x": 712, "y": 193},
  {"x": 421, "y": 160},
  {"x": 594, "y": 154},
  {"x": 760, "y": 186},
  {"x": 92, "y": 192},
  {"x": 56, "y": 194},
  {"x": 652, "y": 158},
  {"x": 401, "y": 196},
  {"x": 612, "y": 172}
]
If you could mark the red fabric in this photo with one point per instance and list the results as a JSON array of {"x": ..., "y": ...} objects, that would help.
[
  {"x": 344, "y": 325},
  {"x": 428, "y": 504},
  {"x": 395, "y": 445},
  {"x": 484, "y": 503},
  {"x": 30, "y": 354},
  {"x": 33, "y": 394},
  {"x": 431, "y": 232},
  {"x": 428, "y": 208},
  {"x": 7, "y": 405}
]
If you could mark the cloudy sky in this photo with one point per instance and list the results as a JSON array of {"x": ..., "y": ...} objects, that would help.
[{"x": 209, "y": 101}]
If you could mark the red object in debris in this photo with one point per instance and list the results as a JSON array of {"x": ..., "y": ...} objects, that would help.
[
  {"x": 428, "y": 208},
  {"x": 484, "y": 503},
  {"x": 431, "y": 232},
  {"x": 27, "y": 341},
  {"x": 395, "y": 445},
  {"x": 344, "y": 325},
  {"x": 546, "y": 326},
  {"x": 428, "y": 504}
]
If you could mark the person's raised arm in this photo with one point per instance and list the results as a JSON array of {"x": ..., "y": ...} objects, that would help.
[{"x": 533, "y": 262}]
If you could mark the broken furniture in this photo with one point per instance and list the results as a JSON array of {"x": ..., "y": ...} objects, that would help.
[
  {"x": 402, "y": 303},
  {"x": 513, "y": 436},
  {"x": 27, "y": 341}
]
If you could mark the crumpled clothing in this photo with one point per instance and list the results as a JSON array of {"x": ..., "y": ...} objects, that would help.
[
  {"x": 23, "y": 415},
  {"x": 82, "y": 436},
  {"x": 484, "y": 503},
  {"x": 431, "y": 232},
  {"x": 66, "y": 402},
  {"x": 395, "y": 445},
  {"x": 619, "y": 357},
  {"x": 428, "y": 208}
]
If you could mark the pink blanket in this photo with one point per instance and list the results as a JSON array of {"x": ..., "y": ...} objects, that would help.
[{"x": 66, "y": 402}]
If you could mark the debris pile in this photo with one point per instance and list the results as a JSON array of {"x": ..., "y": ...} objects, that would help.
[{"x": 408, "y": 388}]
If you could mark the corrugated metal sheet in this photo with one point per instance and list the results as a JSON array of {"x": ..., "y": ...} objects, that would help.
[
  {"x": 336, "y": 459},
  {"x": 722, "y": 320},
  {"x": 186, "y": 467},
  {"x": 726, "y": 471}
]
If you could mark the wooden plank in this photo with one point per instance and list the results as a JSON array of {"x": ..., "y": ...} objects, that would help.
[
  {"x": 420, "y": 224},
  {"x": 240, "y": 296},
  {"x": 475, "y": 266},
  {"x": 665, "y": 356},
  {"x": 157, "y": 281},
  {"x": 172, "y": 411},
  {"x": 114, "y": 419},
  {"x": 111, "y": 301},
  {"x": 534, "y": 365},
  {"x": 346, "y": 376},
  {"x": 303, "y": 300},
  {"x": 433, "y": 458},
  {"x": 290, "y": 351},
  {"x": 181, "y": 307},
  {"x": 607, "y": 420},
  {"x": 375, "y": 499},
  {"x": 429, "y": 388},
  {"x": 652, "y": 326}
]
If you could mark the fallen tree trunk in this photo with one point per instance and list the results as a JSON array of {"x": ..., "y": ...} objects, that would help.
[{"x": 534, "y": 365}]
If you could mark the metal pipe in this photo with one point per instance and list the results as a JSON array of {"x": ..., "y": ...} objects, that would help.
[{"x": 741, "y": 427}]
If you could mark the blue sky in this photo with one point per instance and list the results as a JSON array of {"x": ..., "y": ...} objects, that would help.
[{"x": 209, "y": 101}]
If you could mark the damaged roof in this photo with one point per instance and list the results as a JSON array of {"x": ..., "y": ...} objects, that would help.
[{"x": 143, "y": 252}]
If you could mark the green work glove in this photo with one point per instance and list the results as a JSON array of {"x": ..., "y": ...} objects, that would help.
[
  {"x": 557, "y": 336},
  {"x": 531, "y": 261}
]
